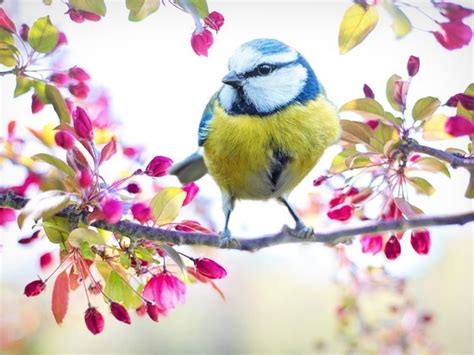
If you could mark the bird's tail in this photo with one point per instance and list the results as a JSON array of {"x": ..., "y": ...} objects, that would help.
[{"x": 190, "y": 169}]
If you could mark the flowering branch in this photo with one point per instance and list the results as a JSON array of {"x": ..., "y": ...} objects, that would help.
[{"x": 285, "y": 236}]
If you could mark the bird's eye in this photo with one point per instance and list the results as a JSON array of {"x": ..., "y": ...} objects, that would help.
[{"x": 264, "y": 69}]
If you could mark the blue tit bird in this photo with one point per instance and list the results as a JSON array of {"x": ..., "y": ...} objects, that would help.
[{"x": 264, "y": 130}]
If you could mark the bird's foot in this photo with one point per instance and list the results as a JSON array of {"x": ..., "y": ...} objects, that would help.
[
  {"x": 226, "y": 240},
  {"x": 301, "y": 231}
]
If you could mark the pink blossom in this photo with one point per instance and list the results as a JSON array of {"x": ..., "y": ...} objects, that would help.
[
  {"x": 7, "y": 215},
  {"x": 60, "y": 79},
  {"x": 214, "y": 20},
  {"x": 201, "y": 41},
  {"x": 36, "y": 104},
  {"x": 421, "y": 241},
  {"x": 158, "y": 166},
  {"x": 34, "y": 288},
  {"x": 6, "y": 23},
  {"x": 371, "y": 243},
  {"x": 64, "y": 139},
  {"x": 191, "y": 190},
  {"x": 392, "y": 248},
  {"x": 341, "y": 213},
  {"x": 453, "y": 35},
  {"x": 79, "y": 90},
  {"x": 84, "y": 177},
  {"x": 458, "y": 126},
  {"x": 209, "y": 268},
  {"x": 141, "y": 212},
  {"x": 78, "y": 74},
  {"x": 24, "y": 30},
  {"x": 94, "y": 320},
  {"x": 414, "y": 158},
  {"x": 46, "y": 260},
  {"x": 413, "y": 65},
  {"x": 166, "y": 290},
  {"x": 112, "y": 210},
  {"x": 82, "y": 123},
  {"x": 120, "y": 313}
]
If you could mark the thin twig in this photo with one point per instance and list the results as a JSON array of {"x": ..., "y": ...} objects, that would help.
[{"x": 453, "y": 159}]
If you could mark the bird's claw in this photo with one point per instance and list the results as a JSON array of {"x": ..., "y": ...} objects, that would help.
[
  {"x": 226, "y": 240},
  {"x": 302, "y": 232}
]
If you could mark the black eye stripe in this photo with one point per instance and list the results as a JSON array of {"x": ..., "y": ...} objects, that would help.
[{"x": 255, "y": 72}]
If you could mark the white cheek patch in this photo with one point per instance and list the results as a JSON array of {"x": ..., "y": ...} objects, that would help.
[
  {"x": 271, "y": 92},
  {"x": 227, "y": 96}
]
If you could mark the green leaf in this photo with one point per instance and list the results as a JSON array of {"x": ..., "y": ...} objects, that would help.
[
  {"x": 23, "y": 85},
  {"x": 95, "y": 6},
  {"x": 470, "y": 187},
  {"x": 56, "y": 162},
  {"x": 79, "y": 235},
  {"x": 6, "y": 37},
  {"x": 47, "y": 2},
  {"x": 432, "y": 165},
  {"x": 140, "y": 9},
  {"x": 43, "y": 35},
  {"x": 425, "y": 107},
  {"x": 355, "y": 132},
  {"x": 43, "y": 205},
  {"x": 338, "y": 164},
  {"x": 175, "y": 257},
  {"x": 86, "y": 250},
  {"x": 125, "y": 260},
  {"x": 144, "y": 254},
  {"x": 390, "y": 90},
  {"x": 367, "y": 108},
  {"x": 421, "y": 185},
  {"x": 57, "y": 229},
  {"x": 357, "y": 161},
  {"x": 40, "y": 91},
  {"x": 120, "y": 291},
  {"x": 357, "y": 23},
  {"x": 401, "y": 25},
  {"x": 201, "y": 7},
  {"x": 167, "y": 204},
  {"x": 55, "y": 98},
  {"x": 389, "y": 117}
]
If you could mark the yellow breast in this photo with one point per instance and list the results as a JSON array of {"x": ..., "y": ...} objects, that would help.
[{"x": 239, "y": 149}]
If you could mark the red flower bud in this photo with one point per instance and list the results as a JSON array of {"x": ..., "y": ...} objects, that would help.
[
  {"x": 90, "y": 16},
  {"x": 201, "y": 42},
  {"x": 158, "y": 166},
  {"x": 6, "y": 23},
  {"x": 141, "y": 311},
  {"x": 80, "y": 90},
  {"x": 467, "y": 101},
  {"x": 82, "y": 123},
  {"x": 28, "y": 240},
  {"x": 341, "y": 213},
  {"x": 413, "y": 65},
  {"x": 319, "y": 180},
  {"x": 351, "y": 191},
  {"x": 133, "y": 188},
  {"x": 371, "y": 243},
  {"x": 209, "y": 268},
  {"x": 453, "y": 35},
  {"x": 60, "y": 79},
  {"x": 64, "y": 139},
  {"x": 112, "y": 210},
  {"x": 7, "y": 215},
  {"x": 62, "y": 39},
  {"x": 421, "y": 241},
  {"x": 373, "y": 124},
  {"x": 392, "y": 248},
  {"x": 141, "y": 212},
  {"x": 94, "y": 320},
  {"x": 368, "y": 92},
  {"x": 78, "y": 74},
  {"x": 84, "y": 177},
  {"x": 414, "y": 158},
  {"x": 459, "y": 126},
  {"x": 214, "y": 20},
  {"x": 34, "y": 288},
  {"x": 46, "y": 260},
  {"x": 36, "y": 104},
  {"x": 24, "y": 30},
  {"x": 337, "y": 200},
  {"x": 153, "y": 311},
  {"x": 191, "y": 190},
  {"x": 120, "y": 313},
  {"x": 75, "y": 15}
]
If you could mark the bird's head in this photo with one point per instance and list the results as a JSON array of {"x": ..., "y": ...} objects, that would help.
[{"x": 265, "y": 76}]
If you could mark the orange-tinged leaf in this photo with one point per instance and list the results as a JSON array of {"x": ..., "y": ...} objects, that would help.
[
  {"x": 60, "y": 297},
  {"x": 167, "y": 204},
  {"x": 357, "y": 23}
]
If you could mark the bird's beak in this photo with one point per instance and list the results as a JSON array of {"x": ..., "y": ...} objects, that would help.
[{"x": 232, "y": 79}]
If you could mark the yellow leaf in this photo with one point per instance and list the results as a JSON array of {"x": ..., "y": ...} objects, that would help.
[
  {"x": 43, "y": 205},
  {"x": 401, "y": 25},
  {"x": 167, "y": 204},
  {"x": 425, "y": 107},
  {"x": 433, "y": 129},
  {"x": 356, "y": 24},
  {"x": 79, "y": 235},
  {"x": 367, "y": 108}
]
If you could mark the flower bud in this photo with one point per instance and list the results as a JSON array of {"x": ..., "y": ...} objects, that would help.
[
  {"x": 341, "y": 213},
  {"x": 191, "y": 190},
  {"x": 368, "y": 92},
  {"x": 64, "y": 139},
  {"x": 82, "y": 123},
  {"x": 46, "y": 260},
  {"x": 34, "y": 288},
  {"x": 94, "y": 320},
  {"x": 371, "y": 243},
  {"x": 209, "y": 268},
  {"x": 201, "y": 42},
  {"x": 153, "y": 311},
  {"x": 24, "y": 30},
  {"x": 6, "y": 23},
  {"x": 78, "y": 74},
  {"x": 62, "y": 39},
  {"x": 76, "y": 16},
  {"x": 413, "y": 65},
  {"x": 467, "y": 101},
  {"x": 158, "y": 166},
  {"x": 120, "y": 313},
  {"x": 60, "y": 79},
  {"x": 80, "y": 90},
  {"x": 141, "y": 311},
  {"x": 214, "y": 20},
  {"x": 458, "y": 126},
  {"x": 319, "y": 180},
  {"x": 90, "y": 16},
  {"x": 133, "y": 188},
  {"x": 36, "y": 104},
  {"x": 392, "y": 248},
  {"x": 141, "y": 212},
  {"x": 112, "y": 210},
  {"x": 84, "y": 177},
  {"x": 421, "y": 241}
]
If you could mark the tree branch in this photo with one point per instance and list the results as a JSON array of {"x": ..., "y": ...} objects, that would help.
[
  {"x": 453, "y": 159},
  {"x": 285, "y": 236}
]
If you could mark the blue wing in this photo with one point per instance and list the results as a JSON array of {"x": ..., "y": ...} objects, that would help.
[{"x": 205, "y": 119}]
